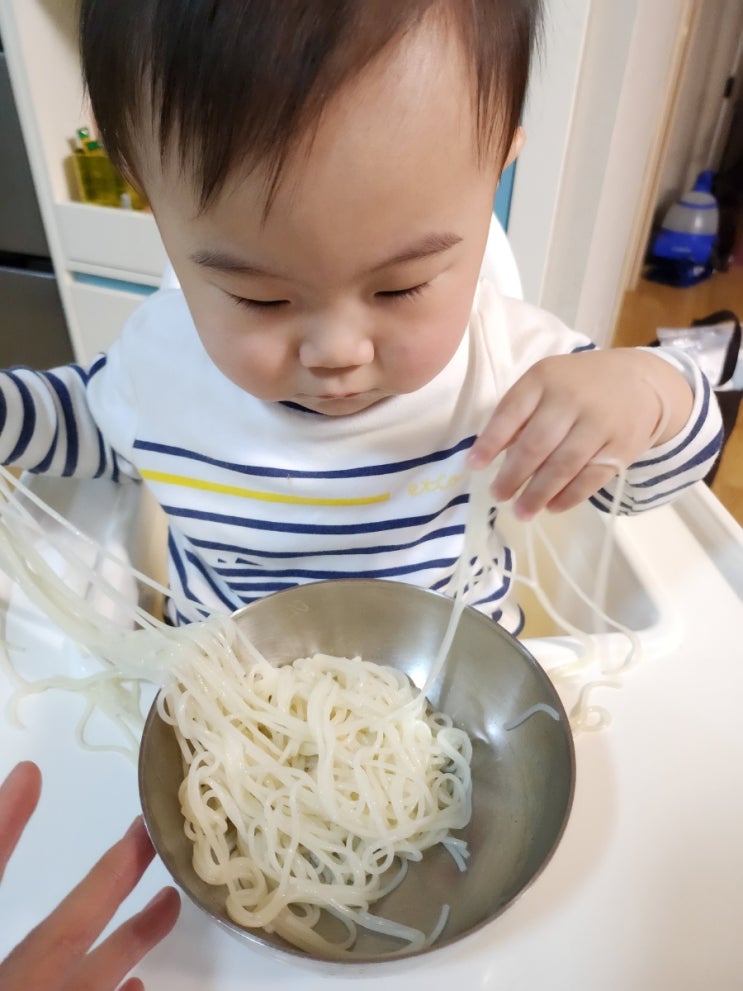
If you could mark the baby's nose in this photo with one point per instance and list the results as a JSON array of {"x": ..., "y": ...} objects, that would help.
[{"x": 336, "y": 344}]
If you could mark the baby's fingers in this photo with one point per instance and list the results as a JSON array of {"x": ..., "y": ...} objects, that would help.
[
  {"x": 511, "y": 415},
  {"x": 582, "y": 487},
  {"x": 566, "y": 476},
  {"x": 539, "y": 453}
]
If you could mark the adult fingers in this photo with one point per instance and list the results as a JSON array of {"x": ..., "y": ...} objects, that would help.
[
  {"x": 19, "y": 795},
  {"x": 133, "y": 984},
  {"x": 52, "y": 951},
  {"x": 108, "y": 963}
]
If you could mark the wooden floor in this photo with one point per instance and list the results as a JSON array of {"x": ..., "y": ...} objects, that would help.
[{"x": 651, "y": 306}]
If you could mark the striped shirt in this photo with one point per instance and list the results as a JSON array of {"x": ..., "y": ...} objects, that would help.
[{"x": 263, "y": 496}]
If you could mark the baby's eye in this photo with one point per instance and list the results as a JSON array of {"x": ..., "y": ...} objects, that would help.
[
  {"x": 258, "y": 304},
  {"x": 403, "y": 293}
]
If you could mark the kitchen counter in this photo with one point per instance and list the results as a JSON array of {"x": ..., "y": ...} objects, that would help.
[{"x": 645, "y": 891}]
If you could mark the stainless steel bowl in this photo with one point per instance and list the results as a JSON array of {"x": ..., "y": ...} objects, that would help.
[{"x": 523, "y": 768}]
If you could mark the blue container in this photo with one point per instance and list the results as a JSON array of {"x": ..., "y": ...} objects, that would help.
[
  {"x": 684, "y": 248},
  {"x": 689, "y": 228}
]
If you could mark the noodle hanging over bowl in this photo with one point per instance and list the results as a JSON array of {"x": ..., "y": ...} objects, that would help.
[{"x": 308, "y": 787}]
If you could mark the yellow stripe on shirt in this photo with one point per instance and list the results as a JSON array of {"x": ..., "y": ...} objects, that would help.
[{"x": 237, "y": 490}]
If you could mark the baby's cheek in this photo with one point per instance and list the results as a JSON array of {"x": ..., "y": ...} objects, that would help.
[
  {"x": 438, "y": 342},
  {"x": 262, "y": 369},
  {"x": 252, "y": 364}
]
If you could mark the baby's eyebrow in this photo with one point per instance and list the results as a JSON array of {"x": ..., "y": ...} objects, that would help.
[
  {"x": 223, "y": 261},
  {"x": 429, "y": 244}
]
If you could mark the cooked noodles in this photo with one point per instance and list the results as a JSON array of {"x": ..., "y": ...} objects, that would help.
[
  {"x": 307, "y": 786},
  {"x": 589, "y": 669},
  {"x": 306, "y": 783}
]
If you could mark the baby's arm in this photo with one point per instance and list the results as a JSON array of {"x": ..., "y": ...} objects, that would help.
[
  {"x": 46, "y": 425},
  {"x": 569, "y": 413}
]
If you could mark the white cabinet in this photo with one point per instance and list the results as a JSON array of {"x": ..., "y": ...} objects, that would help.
[{"x": 106, "y": 259}]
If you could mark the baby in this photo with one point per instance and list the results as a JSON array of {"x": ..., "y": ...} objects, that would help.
[{"x": 310, "y": 403}]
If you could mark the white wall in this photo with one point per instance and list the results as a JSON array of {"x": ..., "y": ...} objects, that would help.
[
  {"x": 595, "y": 113},
  {"x": 608, "y": 38},
  {"x": 653, "y": 60},
  {"x": 547, "y": 121},
  {"x": 570, "y": 118}
]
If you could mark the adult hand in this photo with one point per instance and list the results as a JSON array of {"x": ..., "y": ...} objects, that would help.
[
  {"x": 57, "y": 955},
  {"x": 569, "y": 413}
]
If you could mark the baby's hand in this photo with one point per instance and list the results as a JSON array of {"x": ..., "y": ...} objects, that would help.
[{"x": 568, "y": 412}]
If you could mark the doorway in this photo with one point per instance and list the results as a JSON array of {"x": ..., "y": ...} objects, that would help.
[{"x": 701, "y": 129}]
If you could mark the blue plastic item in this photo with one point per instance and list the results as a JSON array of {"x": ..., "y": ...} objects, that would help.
[{"x": 684, "y": 248}]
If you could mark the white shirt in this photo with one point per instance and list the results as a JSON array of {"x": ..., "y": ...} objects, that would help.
[{"x": 261, "y": 496}]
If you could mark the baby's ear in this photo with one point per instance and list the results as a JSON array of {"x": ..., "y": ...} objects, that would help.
[{"x": 519, "y": 137}]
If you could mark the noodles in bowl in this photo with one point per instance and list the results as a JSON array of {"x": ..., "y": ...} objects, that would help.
[
  {"x": 495, "y": 735},
  {"x": 492, "y": 696}
]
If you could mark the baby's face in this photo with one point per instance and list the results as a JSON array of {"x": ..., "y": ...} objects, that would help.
[{"x": 358, "y": 285}]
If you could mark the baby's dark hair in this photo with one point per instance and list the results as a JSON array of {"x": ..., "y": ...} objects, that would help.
[{"x": 231, "y": 84}]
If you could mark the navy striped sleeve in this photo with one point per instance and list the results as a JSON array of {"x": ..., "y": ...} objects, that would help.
[
  {"x": 46, "y": 425},
  {"x": 665, "y": 471}
]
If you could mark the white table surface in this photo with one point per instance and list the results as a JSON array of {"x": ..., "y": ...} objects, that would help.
[{"x": 644, "y": 893}]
